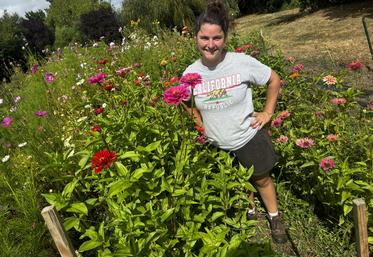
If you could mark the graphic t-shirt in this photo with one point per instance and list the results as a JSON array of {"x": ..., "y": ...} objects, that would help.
[{"x": 224, "y": 98}]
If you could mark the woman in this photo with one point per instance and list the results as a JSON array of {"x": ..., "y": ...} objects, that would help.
[{"x": 224, "y": 106}]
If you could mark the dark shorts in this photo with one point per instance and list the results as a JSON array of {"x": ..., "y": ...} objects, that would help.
[{"x": 258, "y": 152}]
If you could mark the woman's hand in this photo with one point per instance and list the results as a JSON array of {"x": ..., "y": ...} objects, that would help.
[{"x": 260, "y": 119}]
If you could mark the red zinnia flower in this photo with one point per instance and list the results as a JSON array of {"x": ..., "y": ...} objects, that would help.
[
  {"x": 102, "y": 159},
  {"x": 108, "y": 87},
  {"x": 355, "y": 65},
  {"x": 99, "y": 110},
  {"x": 96, "y": 128},
  {"x": 199, "y": 129},
  {"x": 103, "y": 61}
]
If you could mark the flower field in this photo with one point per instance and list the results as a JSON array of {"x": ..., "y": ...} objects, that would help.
[{"x": 99, "y": 131}]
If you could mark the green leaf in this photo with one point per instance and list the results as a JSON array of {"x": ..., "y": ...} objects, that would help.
[
  {"x": 70, "y": 223},
  {"x": 78, "y": 208},
  {"x": 83, "y": 161},
  {"x": 89, "y": 245},
  {"x": 216, "y": 215},
  {"x": 167, "y": 214},
  {"x": 118, "y": 186},
  {"x": 69, "y": 188},
  {"x": 179, "y": 192},
  {"x": 122, "y": 170},
  {"x": 370, "y": 240},
  {"x": 151, "y": 147},
  {"x": 307, "y": 164},
  {"x": 130, "y": 155},
  {"x": 138, "y": 173},
  {"x": 347, "y": 209}
]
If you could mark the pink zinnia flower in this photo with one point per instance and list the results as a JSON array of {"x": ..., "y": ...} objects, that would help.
[
  {"x": 98, "y": 78},
  {"x": 191, "y": 79},
  {"x": 305, "y": 142},
  {"x": 282, "y": 139},
  {"x": 284, "y": 114},
  {"x": 282, "y": 83},
  {"x": 6, "y": 122},
  {"x": 201, "y": 139},
  {"x": 327, "y": 164},
  {"x": 276, "y": 122},
  {"x": 41, "y": 113},
  {"x": 34, "y": 68},
  {"x": 298, "y": 67},
  {"x": 49, "y": 77},
  {"x": 291, "y": 59},
  {"x": 123, "y": 71},
  {"x": 332, "y": 137},
  {"x": 175, "y": 95},
  {"x": 329, "y": 80},
  {"x": 355, "y": 65},
  {"x": 338, "y": 101}
]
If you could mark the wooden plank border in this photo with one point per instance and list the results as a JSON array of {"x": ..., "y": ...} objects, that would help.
[
  {"x": 361, "y": 227},
  {"x": 58, "y": 233}
]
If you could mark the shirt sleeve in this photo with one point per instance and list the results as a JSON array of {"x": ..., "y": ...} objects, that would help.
[{"x": 258, "y": 73}]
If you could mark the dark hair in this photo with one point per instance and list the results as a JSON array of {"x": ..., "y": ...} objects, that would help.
[{"x": 214, "y": 13}]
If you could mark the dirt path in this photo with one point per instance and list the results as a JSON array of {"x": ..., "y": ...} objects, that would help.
[{"x": 325, "y": 41}]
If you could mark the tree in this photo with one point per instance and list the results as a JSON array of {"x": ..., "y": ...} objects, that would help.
[
  {"x": 36, "y": 32},
  {"x": 63, "y": 16},
  {"x": 98, "y": 23},
  {"x": 11, "y": 43}
]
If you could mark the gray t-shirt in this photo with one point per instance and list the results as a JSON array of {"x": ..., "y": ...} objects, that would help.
[{"x": 224, "y": 98}]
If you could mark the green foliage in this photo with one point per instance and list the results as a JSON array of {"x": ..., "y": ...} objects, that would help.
[
  {"x": 36, "y": 32},
  {"x": 98, "y": 23},
  {"x": 11, "y": 42}
]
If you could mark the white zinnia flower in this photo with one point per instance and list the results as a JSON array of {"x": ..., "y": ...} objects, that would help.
[
  {"x": 6, "y": 158},
  {"x": 22, "y": 144}
]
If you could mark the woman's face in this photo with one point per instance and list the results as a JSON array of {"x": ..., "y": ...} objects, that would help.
[{"x": 211, "y": 42}]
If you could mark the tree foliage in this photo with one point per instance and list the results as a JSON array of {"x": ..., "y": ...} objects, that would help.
[
  {"x": 169, "y": 13},
  {"x": 101, "y": 22},
  {"x": 64, "y": 17},
  {"x": 36, "y": 32},
  {"x": 11, "y": 42}
]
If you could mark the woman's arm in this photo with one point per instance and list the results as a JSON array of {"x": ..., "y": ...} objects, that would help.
[
  {"x": 262, "y": 118},
  {"x": 196, "y": 115}
]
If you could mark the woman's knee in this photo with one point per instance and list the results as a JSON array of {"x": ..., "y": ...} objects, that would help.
[{"x": 262, "y": 181}]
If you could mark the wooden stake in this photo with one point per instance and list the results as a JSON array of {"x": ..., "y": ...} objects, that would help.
[
  {"x": 361, "y": 230},
  {"x": 58, "y": 233}
]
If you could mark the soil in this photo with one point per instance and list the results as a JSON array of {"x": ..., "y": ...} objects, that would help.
[{"x": 324, "y": 41}]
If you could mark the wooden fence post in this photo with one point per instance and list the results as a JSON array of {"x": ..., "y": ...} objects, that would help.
[
  {"x": 361, "y": 227},
  {"x": 58, "y": 233}
]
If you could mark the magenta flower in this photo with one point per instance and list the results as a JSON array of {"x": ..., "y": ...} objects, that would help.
[
  {"x": 201, "y": 139},
  {"x": 174, "y": 95},
  {"x": 41, "y": 113},
  {"x": 98, "y": 78},
  {"x": 191, "y": 79},
  {"x": 6, "y": 122},
  {"x": 34, "y": 68},
  {"x": 327, "y": 164},
  {"x": 305, "y": 142},
  {"x": 355, "y": 65},
  {"x": 282, "y": 139},
  {"x": 276, "y": 122},
  {"x": 49, "y": 77},
  {"x": 298, "y": 67},
  {"x": 332, "y": 137},
  {"x": 338, "y": 101}
]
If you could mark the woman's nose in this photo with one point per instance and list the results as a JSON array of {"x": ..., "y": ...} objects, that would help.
[{"x": 211, "y": 44}]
